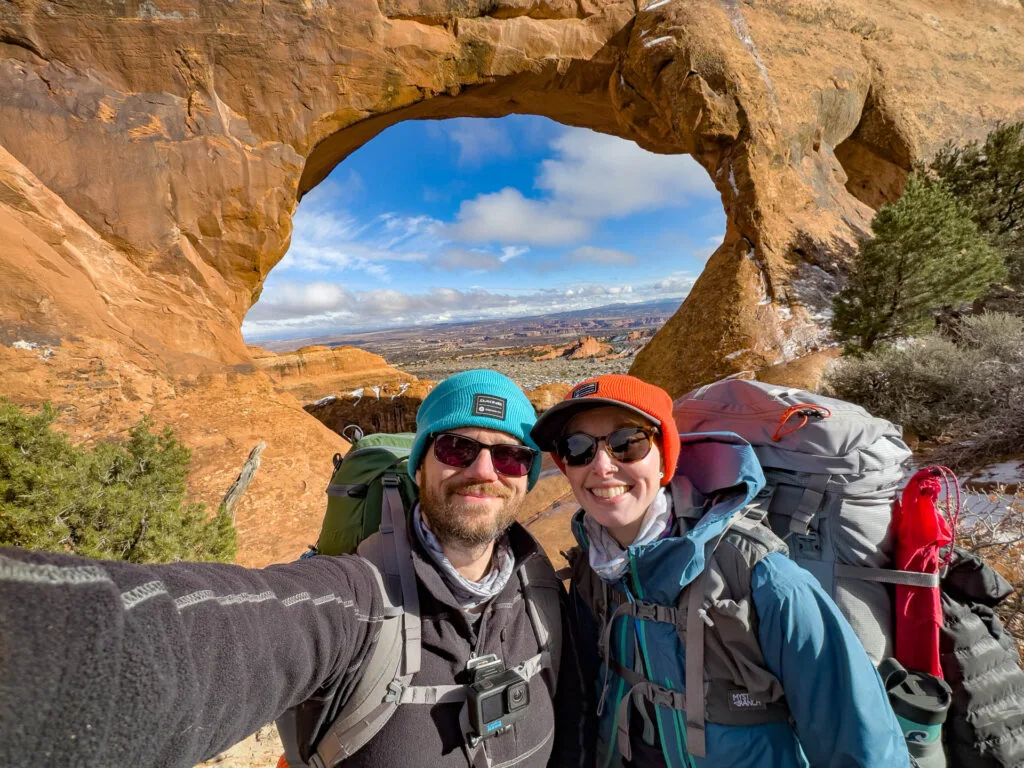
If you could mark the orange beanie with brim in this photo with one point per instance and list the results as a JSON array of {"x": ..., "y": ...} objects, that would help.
[{"x": 613, "y": 389}]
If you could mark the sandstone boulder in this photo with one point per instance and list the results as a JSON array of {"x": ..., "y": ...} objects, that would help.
[
  {"x": 587, "y": 346},
  {"x": 546, "y": 395}
]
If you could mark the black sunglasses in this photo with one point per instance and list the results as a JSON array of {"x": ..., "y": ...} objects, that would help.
[
  {"x": 460, "y": 451},
  {"x": 626, "y": 444}
]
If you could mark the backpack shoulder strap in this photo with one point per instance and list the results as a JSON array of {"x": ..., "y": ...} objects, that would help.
[
  {"x": 395, "y": 657},
  {"x": 400, "y": 577},
  {"x": 542, "y": 591},
  {"x": 372, "y": 702}
]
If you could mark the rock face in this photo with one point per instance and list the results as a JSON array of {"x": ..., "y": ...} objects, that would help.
[
  {"x": 310, "y": 372},
  {"x": 152, "y": 153},
  {"x": 373, "y": 408},
  {"x": 98, "y": 356}
]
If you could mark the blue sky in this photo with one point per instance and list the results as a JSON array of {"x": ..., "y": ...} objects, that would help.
[{"x": 474, "y": 218}]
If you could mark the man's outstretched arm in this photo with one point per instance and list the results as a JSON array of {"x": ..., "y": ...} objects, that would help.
[{"x": 114, "y": 664}]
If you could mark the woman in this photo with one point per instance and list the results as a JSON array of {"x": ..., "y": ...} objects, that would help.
[{"x": 712, "y": 648}]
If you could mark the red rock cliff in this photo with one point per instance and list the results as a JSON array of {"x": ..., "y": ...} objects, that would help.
[{"x": 152, "y": 155}]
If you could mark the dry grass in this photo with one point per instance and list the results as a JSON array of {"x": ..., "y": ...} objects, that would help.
[{"x": 996, "y": 533}]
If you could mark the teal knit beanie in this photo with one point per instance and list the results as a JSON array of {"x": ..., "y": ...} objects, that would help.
[{"x": 479, "y": 398}]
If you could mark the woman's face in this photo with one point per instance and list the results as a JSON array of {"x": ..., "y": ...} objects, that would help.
[{"x": 614, "y": 493}]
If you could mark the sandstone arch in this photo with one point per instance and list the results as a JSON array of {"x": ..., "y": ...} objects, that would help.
[{"x": 152, "y": 153}]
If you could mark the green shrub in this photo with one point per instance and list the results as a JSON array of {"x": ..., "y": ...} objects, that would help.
[
  {"x": 114, "y": 501},
  {"x": 971, "y": 390},
  {"x": 926, "y": 253},
  {"x": 989, "y": 179}
]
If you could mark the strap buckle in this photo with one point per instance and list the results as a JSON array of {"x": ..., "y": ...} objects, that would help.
[
  {"x": 666, "y": 698},
  {"x": 390, "y": 480},
  {"x": 395, "y": 691},
  {"x": 645, "y": 611},
  {"x": 807, "y": 545}
]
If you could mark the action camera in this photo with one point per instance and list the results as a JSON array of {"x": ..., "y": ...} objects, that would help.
[{"x": 497, "y": 697}]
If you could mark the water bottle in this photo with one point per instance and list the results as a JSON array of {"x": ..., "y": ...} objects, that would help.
[{"x": 920, "y": 702}]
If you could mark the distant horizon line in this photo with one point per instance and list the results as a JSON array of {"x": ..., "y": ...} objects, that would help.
[{"x": 255, "y": 341}]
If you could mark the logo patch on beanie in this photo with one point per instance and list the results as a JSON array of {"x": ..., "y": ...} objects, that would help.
[
  {"x": 491, "y": 406},
  {"x": 586, "y": 389}
]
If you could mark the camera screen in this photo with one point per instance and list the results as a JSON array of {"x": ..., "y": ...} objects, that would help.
[{"x": 491, "y": 708}]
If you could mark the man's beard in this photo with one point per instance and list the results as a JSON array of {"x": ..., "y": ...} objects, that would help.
[{"x": 450, "y": 521}]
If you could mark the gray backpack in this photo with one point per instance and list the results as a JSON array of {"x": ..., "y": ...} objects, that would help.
[
  {"x": 386, "y": 682},
  {"x": 833, "y": 473}
]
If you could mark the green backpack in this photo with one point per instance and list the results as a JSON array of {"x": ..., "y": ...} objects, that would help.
[{"x": 356, "y": 491}]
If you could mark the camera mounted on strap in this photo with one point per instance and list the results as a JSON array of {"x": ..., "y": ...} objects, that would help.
[{"x": 496, "y": 698}]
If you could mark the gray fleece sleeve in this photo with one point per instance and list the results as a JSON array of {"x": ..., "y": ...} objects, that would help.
[{"x": 113, "y": 664}]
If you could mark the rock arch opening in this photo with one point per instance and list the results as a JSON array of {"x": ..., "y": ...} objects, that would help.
[
  {"x": 477, "y": 219},
  {"x": 545, "y": 251}
]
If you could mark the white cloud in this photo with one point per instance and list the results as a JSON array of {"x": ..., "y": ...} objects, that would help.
[
  {"x": 675, "y": 284},
  {"x": 590, "y": 254},
  {"x": 292, "y": 300},
  {"x": 318, "y": 308},
  {"x": 599, "y": 290},
  {"x": 600, "y": 176},
  {"x": 508, "y": 217},
  {"x": 455, "y": 260},
  {"x": 327, "y": 239},
  {"x": 478, "y": 140},
  {"x": 592, "y": 177},
  {"x": 510, "y": 252}
]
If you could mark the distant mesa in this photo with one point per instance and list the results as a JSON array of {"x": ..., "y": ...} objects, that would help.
[
  {"x": 584, "y": 347},
  {"x": 588, "y": 347}
]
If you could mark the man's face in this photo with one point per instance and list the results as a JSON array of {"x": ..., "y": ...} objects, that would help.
[{"x": 474, "y": 505}]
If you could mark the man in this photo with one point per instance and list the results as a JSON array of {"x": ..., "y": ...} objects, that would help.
[{"x": 116, "y": 664}]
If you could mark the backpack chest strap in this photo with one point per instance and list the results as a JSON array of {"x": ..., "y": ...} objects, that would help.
[
  {"x": 640, "y": 610},
  {"x": 448, "y": 694}
]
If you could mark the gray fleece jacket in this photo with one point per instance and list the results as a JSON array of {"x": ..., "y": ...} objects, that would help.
[{"x": 113, "y": 664}]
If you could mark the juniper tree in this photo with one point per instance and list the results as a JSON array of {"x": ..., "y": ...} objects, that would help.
[
  {"x": 122, "y": 501},
  {"x": 989, "y": 179},
  {"x": 926, "y": 253}
]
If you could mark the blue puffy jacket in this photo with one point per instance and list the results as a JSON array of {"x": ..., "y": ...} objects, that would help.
[{"x": 840, "y": 715}]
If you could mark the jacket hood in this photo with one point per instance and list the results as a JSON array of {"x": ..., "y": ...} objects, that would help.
[{"x": 716, "y": 477}]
